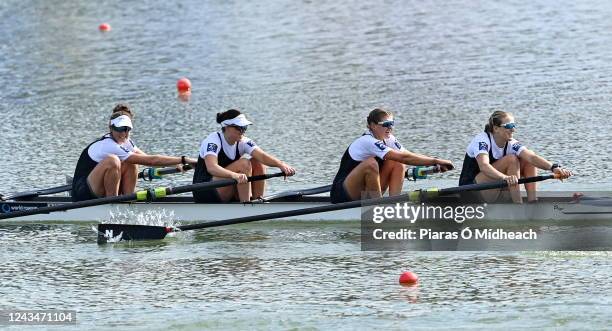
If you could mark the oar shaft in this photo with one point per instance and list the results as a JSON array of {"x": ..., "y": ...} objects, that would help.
[
  {"x": 141, "y": 195},
  {"x": 297, "y": 193},
  {"x": 68, "y": 206},
  {"x": 146, "y": 174},
  {"x": 218, "y": 183},
  {"x": 492, "y": 185},
  {"x": 411, "y": 196}
]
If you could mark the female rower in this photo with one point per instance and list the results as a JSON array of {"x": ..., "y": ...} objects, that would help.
[
  {"x": 109, "y": 166},
  {"x": 495, "y": 155},
  {"x": 221, "y": 157},
  {"x": 375, "y": 161}
]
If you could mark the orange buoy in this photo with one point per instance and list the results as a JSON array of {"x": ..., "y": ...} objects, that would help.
[
  {"x": 183, "y": 86},
  {"x": 408, "y": 278},
  {"x": 104, "y": 27}
]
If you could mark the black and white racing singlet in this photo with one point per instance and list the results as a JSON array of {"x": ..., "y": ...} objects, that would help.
[
  {"x": 97, "y": 151},
  {"x": 201, "y": 174},
  {"x": 362, "y": 148},
  {"x": 480, "y": 144}
]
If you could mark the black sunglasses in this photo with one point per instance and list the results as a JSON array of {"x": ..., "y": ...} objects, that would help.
[
  {"x": 242, "y": 129},
  {"x": 121, "y": 128}
]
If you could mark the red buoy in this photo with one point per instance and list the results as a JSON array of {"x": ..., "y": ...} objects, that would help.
[
  {"x": 183, "y": 86},
  {"x": 104, "y": 27},
  {"x": 408, "y": 278}
]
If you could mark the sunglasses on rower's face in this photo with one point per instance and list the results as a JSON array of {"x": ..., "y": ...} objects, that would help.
[
  {"x": 387, "y": 124},
  {"x": 509, "y": 125},
  {"x": 121, "y": 128},
  {"x": 242, "y": 129}
]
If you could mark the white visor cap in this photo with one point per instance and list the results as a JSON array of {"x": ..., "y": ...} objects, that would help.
[
  {"x": 239, "y": 120},
  {"x": 122, "y": 120}
]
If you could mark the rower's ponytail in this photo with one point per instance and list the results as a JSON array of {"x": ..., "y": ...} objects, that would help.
[
  {"x": 227, "y": 115},
  {"x": 496, "y": 119},
  {"x": 122, "y": 109}
]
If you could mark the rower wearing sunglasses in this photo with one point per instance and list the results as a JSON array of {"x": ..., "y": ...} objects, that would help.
[
  {"x": 375, "y": 161},
  {"x": 109, "y": 165},
  {"x": 221, "y": 157},
  {"x": 495, "y": 155}
]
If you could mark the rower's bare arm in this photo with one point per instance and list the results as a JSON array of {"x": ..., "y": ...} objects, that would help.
[
  {"x": 533, "y": 158},
  {"x": 153, "y": 160},
  {"x": 269, "y": 160},
  {"x": 213, "y": 167},
  {"x": 486, "y": 168},
  {"x": 410, "y": 158},
  {"x": 540, "y": 162}
]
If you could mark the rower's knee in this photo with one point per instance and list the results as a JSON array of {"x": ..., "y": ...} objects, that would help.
[
  {"x": 512, "y": 161},
  {"x": 244, "y": 167},
  {"x": 524, "y": 163},
  {"x": 257, "y": 167},
  {"x": 371, "y": 166},
  {"x": 396, "y": 165},
  {"x": 111, "y": 162}
]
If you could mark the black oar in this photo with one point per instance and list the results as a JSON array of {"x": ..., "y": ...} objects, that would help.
[
  {"x": 150, "y": 232},
  {"x": 35, "y": 193},
  {"x": 296, "y": 193},
  {"x": 414, "y": 173},
  {"x": 145, "y": 195},
  {"x": 146, "y": 174}
]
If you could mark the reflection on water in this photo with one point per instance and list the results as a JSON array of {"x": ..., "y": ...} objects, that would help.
[{"x": 292, "y": 272}]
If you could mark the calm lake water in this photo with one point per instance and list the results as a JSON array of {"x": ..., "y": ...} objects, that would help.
[{"x": 306, "y": 73}]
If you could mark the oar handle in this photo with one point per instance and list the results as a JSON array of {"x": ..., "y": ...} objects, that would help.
[
  {"x": 421, "y": 172},
  {"x": 148, "y": 174}
]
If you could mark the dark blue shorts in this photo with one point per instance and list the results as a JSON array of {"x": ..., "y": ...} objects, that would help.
[
  {"x": 338, "y": 193},
  {"x": 81, "y": 190},
  {"x": 206, "y": 196}
]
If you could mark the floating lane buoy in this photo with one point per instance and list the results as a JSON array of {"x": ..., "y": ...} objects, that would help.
[
  {"x": 183, "y": 86},
  {"x": 104, "y": 27},
  {"x": 408, "y": 278}
]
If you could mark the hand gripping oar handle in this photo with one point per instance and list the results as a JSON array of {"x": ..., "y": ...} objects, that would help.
[
  {"x": 149, "y": 232},
  {"x": 145, "y": 195},
  {"x": 148, "y": 174}
]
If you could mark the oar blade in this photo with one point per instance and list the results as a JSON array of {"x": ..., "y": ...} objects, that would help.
[{"x": 120, "y": 232}]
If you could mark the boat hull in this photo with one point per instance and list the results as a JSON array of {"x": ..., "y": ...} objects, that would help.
[{"x": 554, "y": 209}]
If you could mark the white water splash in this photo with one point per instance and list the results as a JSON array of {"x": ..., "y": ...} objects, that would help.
[{"x": 156, "y": 217}]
